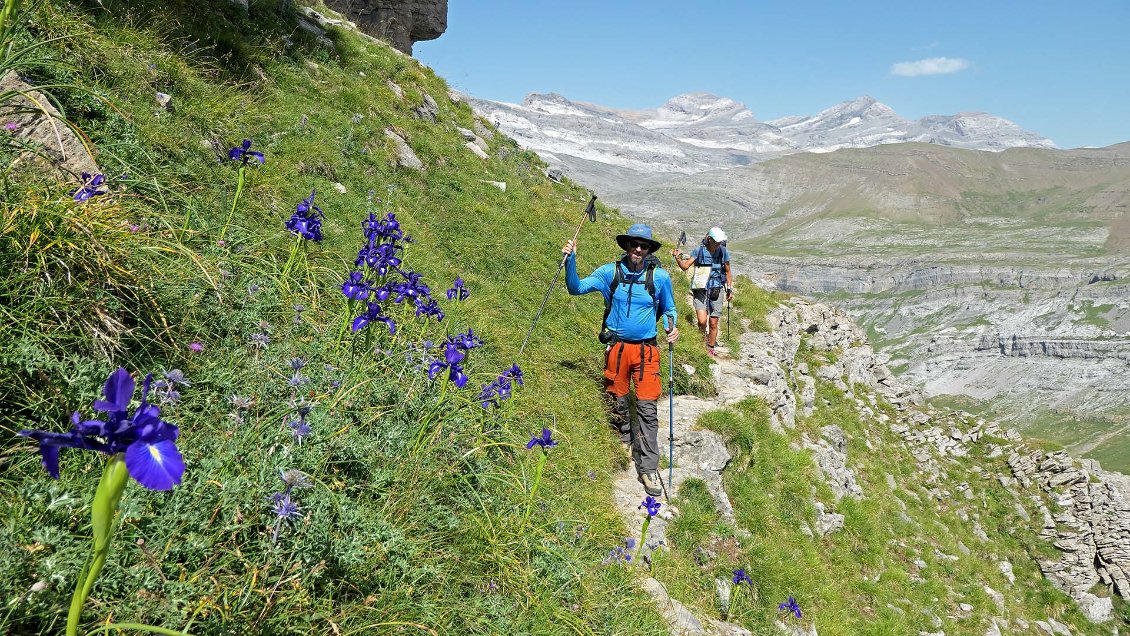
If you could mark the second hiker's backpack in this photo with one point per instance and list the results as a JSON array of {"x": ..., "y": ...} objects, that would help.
[{"x": 651, "y": 262}]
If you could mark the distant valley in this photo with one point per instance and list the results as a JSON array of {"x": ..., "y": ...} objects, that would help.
[{"x": 994, "y": 280}]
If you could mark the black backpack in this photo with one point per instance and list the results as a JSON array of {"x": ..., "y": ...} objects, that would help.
[{"x": 651, "y": 262}]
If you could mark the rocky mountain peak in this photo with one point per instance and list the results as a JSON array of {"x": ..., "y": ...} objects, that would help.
[{"x": 693, "y": 109}]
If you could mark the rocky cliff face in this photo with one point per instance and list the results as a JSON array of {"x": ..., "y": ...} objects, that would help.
[
  {"x": 1079, "y": 508},
  {"x": 401, "y": 23}
]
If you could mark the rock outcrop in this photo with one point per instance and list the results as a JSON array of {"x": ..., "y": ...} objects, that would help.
[
  {"x": 401, "y": 23},
  {"x": 1081, "y": 510}
]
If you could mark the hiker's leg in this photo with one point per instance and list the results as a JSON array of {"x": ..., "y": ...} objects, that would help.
[
  {"x": 645, "y": 426},
  {"x": 616, "y": 383},
  {"x": 715, "y": 299},
  {"x": 699, "y": 301}
]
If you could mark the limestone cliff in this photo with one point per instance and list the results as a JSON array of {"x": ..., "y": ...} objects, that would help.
[{"x": 401, "y": 23}]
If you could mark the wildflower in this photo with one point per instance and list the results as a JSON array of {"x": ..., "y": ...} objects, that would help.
[
  {"x": 240, "y": 403},
  {"x": 89, "y": 187},
  {"x": 297, "y": 380},
  {"x": 134, "y": 228},
  {"x": 195, "y": 347},
  {"x": 11, "y": 126},
  {"x": 221, "y": 242},
  {"x": 466, "y": 341},
  {"x": 458, "y": 291},
  {"x": 545, "y": 440},
  {"x": 651, "y": 504},
  {"x": 307, "y": 219},
  {"x": 294, "y": 478},
  {"x": 296, "y": 364},
  {"x": 591, "y": 474},
  {"x": 514, "y": 372},
  {"x": 260, "y": 340},
  {"x": 373, "y": 313},
  {"x": 356, "y": 288},
  {"x": 789, "y": 606},
  {"x": 298, "y": 308},
  {"x": 243, "y": 153},
  {"x": 285, "y": 507},
  {"x": 147, "y": 442},
  {"x": 741, "y": 577},
  {"x": 427, "y": 308},
  {"x": 299, "y": 429},
  {"x": 252, "y": 289}
]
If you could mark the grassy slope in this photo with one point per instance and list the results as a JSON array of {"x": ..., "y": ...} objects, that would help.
[
  {"x": 416, "y": 520},
  {"x": 417, "y": 512}
]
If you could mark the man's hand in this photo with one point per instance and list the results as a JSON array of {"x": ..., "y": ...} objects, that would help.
[
  {"x": 729, "y": 294},
  {"x": 672, "y": 335},
  {"x": 569, "y": 248}
]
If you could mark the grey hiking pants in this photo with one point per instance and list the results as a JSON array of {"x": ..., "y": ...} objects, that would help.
[{"x": 642, "y": 431}]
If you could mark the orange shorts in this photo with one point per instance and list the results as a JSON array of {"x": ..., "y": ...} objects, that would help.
[{"x": 625, "y": 363}]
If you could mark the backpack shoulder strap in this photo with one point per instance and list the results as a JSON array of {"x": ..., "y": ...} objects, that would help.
[
  {"x": 616, "y": 278},
  {"x": 649, "y": 282}
]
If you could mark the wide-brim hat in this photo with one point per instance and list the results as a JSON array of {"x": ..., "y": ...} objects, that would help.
[{"x": 638, "y": 231}]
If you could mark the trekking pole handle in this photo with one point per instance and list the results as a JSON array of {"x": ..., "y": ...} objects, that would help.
[{"x": 590, "y": 214}]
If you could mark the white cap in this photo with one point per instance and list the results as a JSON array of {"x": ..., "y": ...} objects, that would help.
[{"x": 717, "y": 234}]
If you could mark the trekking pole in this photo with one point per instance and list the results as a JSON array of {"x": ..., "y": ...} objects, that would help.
[
  {"x": 682, "y": 242},
  {"x": 590, "y": 214}
]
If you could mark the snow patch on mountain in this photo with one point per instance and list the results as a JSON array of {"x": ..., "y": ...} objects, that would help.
[{"x": 696, "y": 132}]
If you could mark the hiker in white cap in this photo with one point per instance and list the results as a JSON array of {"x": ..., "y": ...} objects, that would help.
[{"x": 711, "y": 262}]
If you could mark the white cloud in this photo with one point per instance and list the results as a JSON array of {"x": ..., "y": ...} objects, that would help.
[{"x": 931, "y": 66}]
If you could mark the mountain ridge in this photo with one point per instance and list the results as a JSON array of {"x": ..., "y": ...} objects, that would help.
[{"x": 697, "y": 132}]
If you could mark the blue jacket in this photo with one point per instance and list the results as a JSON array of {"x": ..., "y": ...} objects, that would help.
[{"x": 633, "y": 314}]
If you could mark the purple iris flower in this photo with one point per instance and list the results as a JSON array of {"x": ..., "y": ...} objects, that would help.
[
  {"x": 651, "y": 504},
  {"x": 307, "y": 219},
  {"x": 741, "y": 577},
  {"x": 427, "y": 308},
  {"x": 458, "y": 291},
  {"x": 545, "y": 440},
  {"x": 454, "y": 369},
  {"x": 383, "y": 292},
  {"x": 514, "y": 372},
  {"x": 356, "y": 288},
  {"x": 147, "y": 442},
  {"x": 373, "y": 313},
  {"x": 89, "y": 187},
  {"x": 243, "y": 153},
  {"x": 790, "y": 605},
  {"x": 466, "y": 341}
]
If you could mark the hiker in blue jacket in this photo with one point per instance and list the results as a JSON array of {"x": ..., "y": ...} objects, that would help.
[
  {"x": 712, "y": 274},
  {"x": 637, "y": 291}
]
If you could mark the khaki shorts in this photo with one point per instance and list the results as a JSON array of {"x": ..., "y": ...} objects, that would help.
[{"x": 717, "y": 299}]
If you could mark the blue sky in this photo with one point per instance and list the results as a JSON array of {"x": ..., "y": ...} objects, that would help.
[{"x": 1060, "y": 68}]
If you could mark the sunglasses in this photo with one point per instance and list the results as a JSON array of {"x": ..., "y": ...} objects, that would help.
[{"x": 639, "y": 245}]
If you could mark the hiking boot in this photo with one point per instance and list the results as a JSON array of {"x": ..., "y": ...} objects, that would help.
[
  {"x": 711, "y": 352},
  {"x": 651, "y": 484}
]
